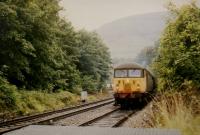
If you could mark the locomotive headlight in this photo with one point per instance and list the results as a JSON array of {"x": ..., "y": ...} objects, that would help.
[{"x": 127, "y": 81}]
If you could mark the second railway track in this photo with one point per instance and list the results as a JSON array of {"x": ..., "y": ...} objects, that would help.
[{"x": 17, "y": 123}]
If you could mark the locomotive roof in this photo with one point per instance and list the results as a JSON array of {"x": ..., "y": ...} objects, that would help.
[{"x": 128, "y": 65}]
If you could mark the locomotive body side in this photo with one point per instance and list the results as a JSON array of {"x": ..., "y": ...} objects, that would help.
[{"x": 150, "y": 82}]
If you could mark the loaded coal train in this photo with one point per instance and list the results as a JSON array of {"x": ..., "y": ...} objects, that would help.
[{"x": 132, "y": 85}]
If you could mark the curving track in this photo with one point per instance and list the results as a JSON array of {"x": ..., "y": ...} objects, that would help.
[{"x": 51, "y": 116}]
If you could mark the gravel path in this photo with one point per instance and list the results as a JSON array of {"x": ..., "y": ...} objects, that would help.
[
  {"x": 84, "y": 117},
  {"x": 141, "y": 119}
]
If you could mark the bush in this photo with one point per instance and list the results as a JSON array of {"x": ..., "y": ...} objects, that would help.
[
  {"x": 89, "y": 84},
  {"x": 7, "y": 95},
  {"x": 179, "y": 51},
  {"x": 39, "y": 101}
]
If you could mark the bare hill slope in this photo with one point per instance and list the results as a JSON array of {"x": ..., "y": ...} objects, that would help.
[{"x": 127, "y": 36}]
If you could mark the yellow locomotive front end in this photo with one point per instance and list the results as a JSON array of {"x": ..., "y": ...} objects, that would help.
[{"x": 129, "y": 83}]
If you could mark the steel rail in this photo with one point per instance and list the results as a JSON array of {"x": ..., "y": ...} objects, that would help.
[
  {"x": 30, "y": 117},
  {"x": 51, "y": 116},
  {"x": 119, "y": 121},
  {"x": 98, "y": 118}
]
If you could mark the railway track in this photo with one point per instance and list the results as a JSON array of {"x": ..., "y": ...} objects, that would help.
[
  {"x": 50, "y": 116},
  {"x": 113, "y": 118}
]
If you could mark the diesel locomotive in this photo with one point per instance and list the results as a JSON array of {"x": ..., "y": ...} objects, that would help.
[{"x": 132, "y": 84}]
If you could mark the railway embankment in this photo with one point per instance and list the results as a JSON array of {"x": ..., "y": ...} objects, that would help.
[{"x": 33, "y": 102}]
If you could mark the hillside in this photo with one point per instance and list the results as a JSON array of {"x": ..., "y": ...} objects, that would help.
[{"x": 127, "y": 36}]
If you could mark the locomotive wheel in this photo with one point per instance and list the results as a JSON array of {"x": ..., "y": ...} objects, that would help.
[
  {"x": 125, "y": 104},
  {"x": 116, "y": 102}
]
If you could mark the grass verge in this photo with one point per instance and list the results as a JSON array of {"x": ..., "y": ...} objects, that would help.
[
  {"x": 179, "y": 111},
  {"x": 31, "y": 102}
]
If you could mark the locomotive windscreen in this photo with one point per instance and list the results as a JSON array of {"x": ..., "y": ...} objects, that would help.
[
  {"x": 123, "y": 73},
  {"x": 135, "y": 73}
]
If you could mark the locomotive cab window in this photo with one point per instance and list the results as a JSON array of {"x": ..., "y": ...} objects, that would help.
[
  {"x": 128, "y": 73},
  {"x": 135, "y": 73},
  {"x": 121, "y": 73}
]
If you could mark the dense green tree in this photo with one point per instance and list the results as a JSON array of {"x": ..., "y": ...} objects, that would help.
[
  {"x": 69, "y": 76},
  {"x": 35, "y": 44},
  {"x": 94, "y": 60},
  {"x": 28, "y": 41},
  {"x": 39, "y": 49},
  {"x": 179, "y": 52},
  {"x": 7, "y": 95}
]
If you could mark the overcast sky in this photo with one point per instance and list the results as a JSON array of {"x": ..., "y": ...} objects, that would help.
[{"x": 91, "y": 14}]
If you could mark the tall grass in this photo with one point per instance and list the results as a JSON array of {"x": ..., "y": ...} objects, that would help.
[
  {"x": 33, "y": 101},
  {"x": 30, "y": 102},
  {"x": 179, "y": 111}
]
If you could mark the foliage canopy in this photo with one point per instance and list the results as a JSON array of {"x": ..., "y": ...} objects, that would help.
[
  {"x": 179, "y": 51},
  {"x": 40, "y": 50}
]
